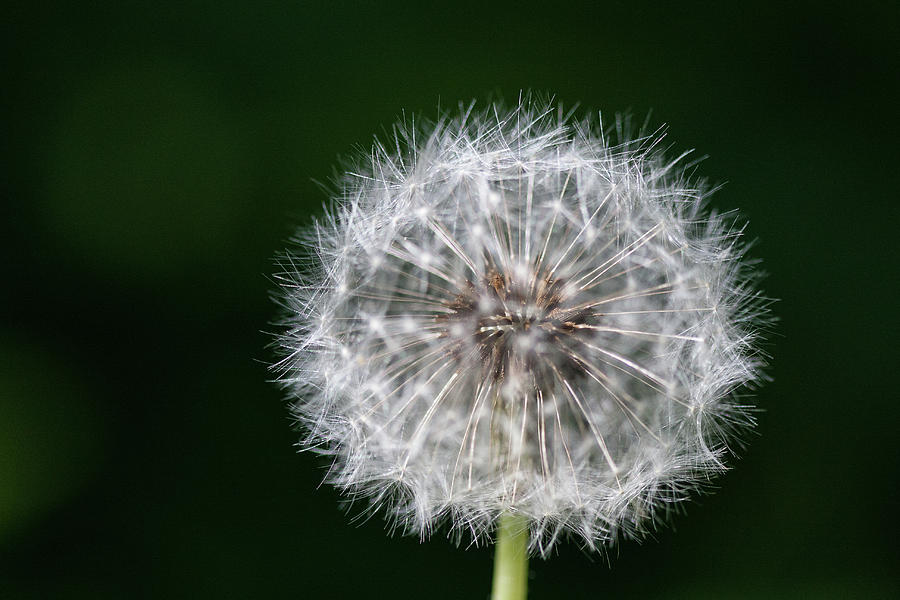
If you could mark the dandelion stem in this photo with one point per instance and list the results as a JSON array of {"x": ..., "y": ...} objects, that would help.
[{"x": 511, "y": 559}]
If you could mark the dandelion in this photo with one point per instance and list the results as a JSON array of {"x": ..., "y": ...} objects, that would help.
[{"x": 520, "y": 324}]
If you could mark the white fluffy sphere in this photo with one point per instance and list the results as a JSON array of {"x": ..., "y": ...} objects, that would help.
[{"x": 509, "y": 312}]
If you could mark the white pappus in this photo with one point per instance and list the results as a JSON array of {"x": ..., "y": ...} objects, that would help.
[{"x": 514, "y": 310}]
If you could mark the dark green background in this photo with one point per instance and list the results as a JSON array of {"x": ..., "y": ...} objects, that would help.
[{"x": 156, "y": 156}]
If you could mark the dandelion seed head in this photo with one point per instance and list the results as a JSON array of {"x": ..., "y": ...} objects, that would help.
[{"x": 509, "y": 311}]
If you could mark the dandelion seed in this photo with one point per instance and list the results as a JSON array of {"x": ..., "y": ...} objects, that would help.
[{"x": 515, "y": 315}]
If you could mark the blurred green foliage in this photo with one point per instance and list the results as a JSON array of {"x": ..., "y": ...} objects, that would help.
[
  {"x": 155, "y": 157},
  {"x": 51, "y": 434},
  {"x": 144, "y": 170}
]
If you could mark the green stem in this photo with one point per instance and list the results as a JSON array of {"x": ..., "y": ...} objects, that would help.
[{"x": 511, "y": 559}]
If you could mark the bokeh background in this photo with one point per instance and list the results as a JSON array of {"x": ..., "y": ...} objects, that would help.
[{"x": 157, "y": 155}]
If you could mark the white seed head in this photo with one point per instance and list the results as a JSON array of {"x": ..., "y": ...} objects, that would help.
[{"x": 510, "y": 312}]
